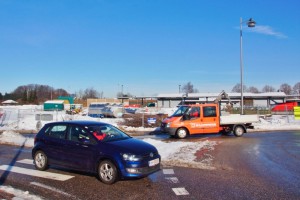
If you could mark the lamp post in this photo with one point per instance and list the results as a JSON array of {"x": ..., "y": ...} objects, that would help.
[
  {"x": 179, "y": 88},
  {"x": 122, "y": 90},
  {"x": 251, "y": 23}
]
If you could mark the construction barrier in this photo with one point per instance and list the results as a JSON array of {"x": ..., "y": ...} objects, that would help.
[{"x": 297, "y": 112}]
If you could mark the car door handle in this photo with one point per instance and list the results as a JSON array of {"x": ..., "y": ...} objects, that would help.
[{"x": 83, "y": 145}]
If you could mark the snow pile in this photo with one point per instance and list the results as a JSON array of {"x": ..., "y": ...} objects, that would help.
[
  {"x": 183, "y": 154},
  {"x": 13, "y": 138},
  {"x": 277, "y": 122},
  {"x": 19, "y": 194}
]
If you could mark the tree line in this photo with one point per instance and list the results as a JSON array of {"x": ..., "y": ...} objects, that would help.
[
  {"x": 286, "y": 88},
  {"x": 37, "y": 94}
]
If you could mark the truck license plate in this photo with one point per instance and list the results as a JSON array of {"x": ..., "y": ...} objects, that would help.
[{"x": 154, "y": 162}]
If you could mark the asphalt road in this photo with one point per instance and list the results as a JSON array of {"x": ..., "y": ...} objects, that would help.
[{"x": 255, "y": 166}]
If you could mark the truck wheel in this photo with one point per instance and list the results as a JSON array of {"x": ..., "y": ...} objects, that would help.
[
  {"x": 181, "y": 133},
  {"x": 238, "y": 131}
]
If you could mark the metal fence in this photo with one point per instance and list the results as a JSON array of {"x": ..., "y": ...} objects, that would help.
[{"x": 27, "y": 119}]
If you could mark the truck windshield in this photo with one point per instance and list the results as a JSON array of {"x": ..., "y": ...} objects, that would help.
[{"x": 180, "y": 111}]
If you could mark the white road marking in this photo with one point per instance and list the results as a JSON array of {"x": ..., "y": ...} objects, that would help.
[
  {"x": 172, "y": 179},
  {"x": 51, "y": 188},
  {"x": 180, "y": 191},
  {"x": 26, "y": 161},
  {"x": 168, "y": 171},
  {"x": 31, "y": 172}
]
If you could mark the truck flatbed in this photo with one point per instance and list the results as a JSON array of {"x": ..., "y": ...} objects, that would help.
[{"x": 238, "y": 119}]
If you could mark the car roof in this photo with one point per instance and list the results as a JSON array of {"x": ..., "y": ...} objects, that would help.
[{"x": 79, "y": 122}]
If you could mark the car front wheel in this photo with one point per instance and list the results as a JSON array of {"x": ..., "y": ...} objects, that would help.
[
  {"x": 40, "y": 160},
  {"x": 108, "y": 172},
  {"x": 181, "y": 133}
]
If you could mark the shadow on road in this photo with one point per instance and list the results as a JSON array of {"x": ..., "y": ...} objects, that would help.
[{"x": 11, "y": 164}]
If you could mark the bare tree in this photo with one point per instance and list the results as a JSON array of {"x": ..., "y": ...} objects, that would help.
[
  {"x": 34, "y": 93},
  {"x": 268, "y": 88},
  {"x": 90, "y": 93},
  {"x": 286, "y": 88},
  {"x": 120, "y": 94},
  {"x": 253, "y": 90},
  {"x": 189, "y": 88},
  {"x": 296, "y": 88},
  {"x": 237, "y": 88},
  {"x": 79, "y": 94}
]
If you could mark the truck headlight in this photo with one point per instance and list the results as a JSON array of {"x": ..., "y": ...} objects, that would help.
[{"x": 131, "y": 157}]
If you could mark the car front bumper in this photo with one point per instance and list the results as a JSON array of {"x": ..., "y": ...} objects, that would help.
[
  {"x": 139, "y": 170},
  {"x": 168, "y": 130}
]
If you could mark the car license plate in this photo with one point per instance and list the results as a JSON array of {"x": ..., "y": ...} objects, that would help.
[{"x": 154, "y": 162}]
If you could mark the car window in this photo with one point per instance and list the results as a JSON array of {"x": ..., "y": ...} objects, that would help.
[
  {"x": 209, "y": 111},
  {"x": 194, "y": 112},
  {"x": 107, "y": 133},
  {"x": 180, "y": 111},
  {"x": 57, "y": 131},
  {"x": 78, "y": 134}
]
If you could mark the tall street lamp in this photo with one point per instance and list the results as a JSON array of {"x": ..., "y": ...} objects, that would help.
[{"x": 251, "y": 23}]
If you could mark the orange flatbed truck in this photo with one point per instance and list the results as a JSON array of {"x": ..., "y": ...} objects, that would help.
[{"x": 205, "y": 119}]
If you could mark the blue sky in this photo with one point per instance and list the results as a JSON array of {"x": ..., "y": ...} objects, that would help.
[{"x": 148, "y": 46}]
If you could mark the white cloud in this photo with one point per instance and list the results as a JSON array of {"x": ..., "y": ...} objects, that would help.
[{"x": 267, "y": 30}]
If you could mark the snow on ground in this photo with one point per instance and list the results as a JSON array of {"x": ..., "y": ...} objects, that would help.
[
  {"x": 17, "y": 194},
  {"x": 276, "y": 122}
]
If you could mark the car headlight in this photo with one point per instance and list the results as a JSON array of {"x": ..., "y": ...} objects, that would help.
[
  {"x": 168, "y": 125},
  {"x": 131, "y": 157}
]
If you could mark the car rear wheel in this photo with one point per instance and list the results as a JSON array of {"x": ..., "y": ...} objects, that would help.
[
  {"x": 40, "y": 160},
  {"x": 238, "y": 131},
  {"x": 108, "y": 172},
  {"x": 181, "y": 133}
]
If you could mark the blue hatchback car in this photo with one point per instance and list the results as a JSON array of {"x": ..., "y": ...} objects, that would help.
[{"x": 95, "y": 147}]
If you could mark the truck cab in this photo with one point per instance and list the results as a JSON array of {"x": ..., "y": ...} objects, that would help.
[{"x": 193, "y": 119}]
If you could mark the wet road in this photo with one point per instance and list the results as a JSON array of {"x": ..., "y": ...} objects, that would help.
[{"x": 255, "y": 166}]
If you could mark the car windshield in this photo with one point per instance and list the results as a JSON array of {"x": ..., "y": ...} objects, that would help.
[
  {"x": 180, "y": 111},
  {"x": 107, "y": 133}
]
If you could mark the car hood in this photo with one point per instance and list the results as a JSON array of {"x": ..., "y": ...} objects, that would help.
[
  {"x": 133, "y": 146},
  {"x": 171, "y": 119}
]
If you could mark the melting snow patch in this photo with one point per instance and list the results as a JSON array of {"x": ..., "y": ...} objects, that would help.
[
  {"x": 13, "y": 138},
  {"x": 183, "y": 154},
  {"x": 19, "y": 194}
]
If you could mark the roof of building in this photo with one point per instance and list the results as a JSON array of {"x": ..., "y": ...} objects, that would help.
[
  {"x": 231, "y": 95},
  {"x": 55, "y": 101},
  {"x": 9, "y": 102}
]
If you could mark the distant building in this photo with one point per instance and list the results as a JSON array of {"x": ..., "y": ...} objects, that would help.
[
  {"x": 54, "y": 105},
  {"x": 9, "y": 102},
  {"x": 250, "y": 99}
]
